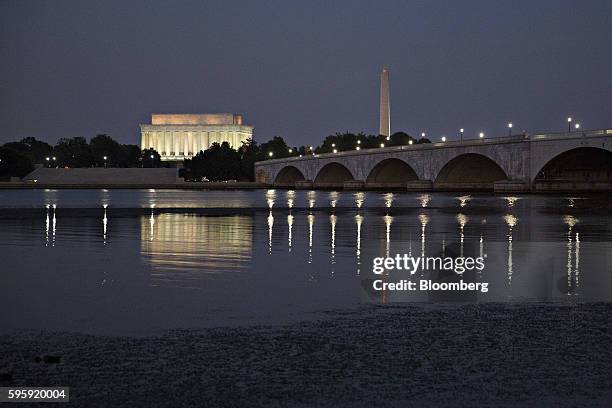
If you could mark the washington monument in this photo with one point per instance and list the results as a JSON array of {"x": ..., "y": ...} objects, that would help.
[{"x": 385, "y": 108}]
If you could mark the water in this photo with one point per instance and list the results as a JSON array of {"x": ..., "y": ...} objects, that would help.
[{"x": 140, "y": 262}]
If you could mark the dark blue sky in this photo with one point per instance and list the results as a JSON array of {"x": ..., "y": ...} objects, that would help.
[{"x": 304, "y": 69}]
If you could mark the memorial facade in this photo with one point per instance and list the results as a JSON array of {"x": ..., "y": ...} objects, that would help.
[{"x": 181, "y": 136}]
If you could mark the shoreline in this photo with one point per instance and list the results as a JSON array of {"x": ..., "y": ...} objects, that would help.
[
  {"x": 248, "y": 185},
  {"x": 527, "y": 354}
]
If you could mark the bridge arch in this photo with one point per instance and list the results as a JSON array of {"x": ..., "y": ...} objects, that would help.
[
  {"x": 392, "y": 170},
  {"x": 580, "y": 164},
  {"x": 288, "y": 175},
  {"x": 470, "y": 170},
  {"x": 333, "y": 174}
]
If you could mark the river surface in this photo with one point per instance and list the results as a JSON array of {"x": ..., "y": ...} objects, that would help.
[{"x": 140, "y": 262}]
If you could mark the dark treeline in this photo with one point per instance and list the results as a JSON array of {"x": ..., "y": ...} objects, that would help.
[
  {"x": 223, "y": 163},
  {"x": 218, "y": 163},
  {"x": 19, "y": 158}
]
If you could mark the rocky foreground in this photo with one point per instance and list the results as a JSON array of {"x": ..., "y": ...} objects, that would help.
[{"x": 473, "y": 355}]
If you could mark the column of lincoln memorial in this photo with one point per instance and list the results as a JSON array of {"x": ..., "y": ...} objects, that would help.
[{"x": 179, "y": 136}]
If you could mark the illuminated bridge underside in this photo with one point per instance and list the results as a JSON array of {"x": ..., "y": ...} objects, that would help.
[{"x": 576, "y": 161}]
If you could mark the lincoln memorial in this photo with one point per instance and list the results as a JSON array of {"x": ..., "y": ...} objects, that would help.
[{"x": 179, "y": 136}]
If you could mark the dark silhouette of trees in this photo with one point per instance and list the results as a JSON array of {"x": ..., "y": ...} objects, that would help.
[
  {"x": 129, "y": 156},
  {"x": 276, "y": 146},
  {"x": 102, "y": 150},
  {"x": 35, "y": 150},
  {"x": 249, "y": 153},
  {"x": 103, "y": 146},
  {"x": 349, "y": 141},
  {"x": 218, "y": 163},
  {"x": 13, "y": 164},
  {"x": 150, "y": 158},
  {"x": 74, "y": 152},
  {"x": 400, "y": 139}
]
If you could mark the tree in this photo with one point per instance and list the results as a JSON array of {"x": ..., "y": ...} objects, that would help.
[
  {"x": 400, "y": 139},
  {"x": 35, "y": 150},
  {"x": 276, "y": 146},
  {"x": 13, "y": 164},
  {"x": 217, "y": 163},
  {"x": 74, "y": 152},
  {"x": 423, "y": 140},
  {"x": 150, "y": 158},
  {"x": 249, "y": 153},
  {"x": 102, "y": 146},
  {"x": 129, "y": 156}
]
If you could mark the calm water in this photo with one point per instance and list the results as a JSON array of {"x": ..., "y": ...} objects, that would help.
[{"x": 143, "y": 261}]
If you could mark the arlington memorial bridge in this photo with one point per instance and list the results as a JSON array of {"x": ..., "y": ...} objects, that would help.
[{"x": 569, "y": 161}]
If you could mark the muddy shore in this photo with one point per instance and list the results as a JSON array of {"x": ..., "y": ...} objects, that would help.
[{"x": 518, "y": 354}]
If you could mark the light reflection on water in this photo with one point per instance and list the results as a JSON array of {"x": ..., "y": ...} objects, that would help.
[{"x": 278, "y": 253}]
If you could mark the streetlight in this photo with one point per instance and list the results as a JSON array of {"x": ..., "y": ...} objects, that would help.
[
  {"x": 152, "y": 156},
  {"x": 358, "y": 148},
  {"x": 569, "y": 123},
  {"x": 270, "y": 154},
  {"x": 481, "y": 135},
  {"x": 335, "y": 150},
  {"x": 422, "y": 134},
  {"x": 577, "y": 126},
  {"x": 461, "y": 134},
  {"x": 333, "y": 145},
  {"x": 443, "y": 138},
  {"x": 359, "y": 142},
  {"x": 290, "y": 150},
  {"x": 105, "y": 159},
  {"x": 410, "y": 142},
  {"x": 382, "y": 145},
  {"x": 510, "y": 129}
]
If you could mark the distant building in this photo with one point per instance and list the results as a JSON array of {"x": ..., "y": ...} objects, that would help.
[{"x": 179, "y": 136}]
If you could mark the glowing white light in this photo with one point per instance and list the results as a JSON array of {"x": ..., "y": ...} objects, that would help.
[
  {"x": 270, "y": 154},
  {"x": 290, "y": 150},
  {"x": 333, "y": 145},
  {"x": 382, "y": 145},
  {"x": 359, "y": 142},
  {"x": 569, "y": 119},
  {"x": 152, "y": 156},
  {"x": 444, "y": 138},
  {"x": 105, "y": 157},
  {"x": 461, "y": 130},
  {"x": 410, "y": 142},
  {"x": 47, "y": 158},
  {"x": 509, "y": 125},
  {"x": 577, "y": 125},
  {"x": 358, "y": 148},
  {"x": 335, "y": 150},
  {"x": 481, "y": 135},
  {"x": 422, "y": 134}
]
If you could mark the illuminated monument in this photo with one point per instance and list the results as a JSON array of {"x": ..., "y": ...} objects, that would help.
[
  {"x": 179, "y": 136},
  {"x": 385, "y": 108}
]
